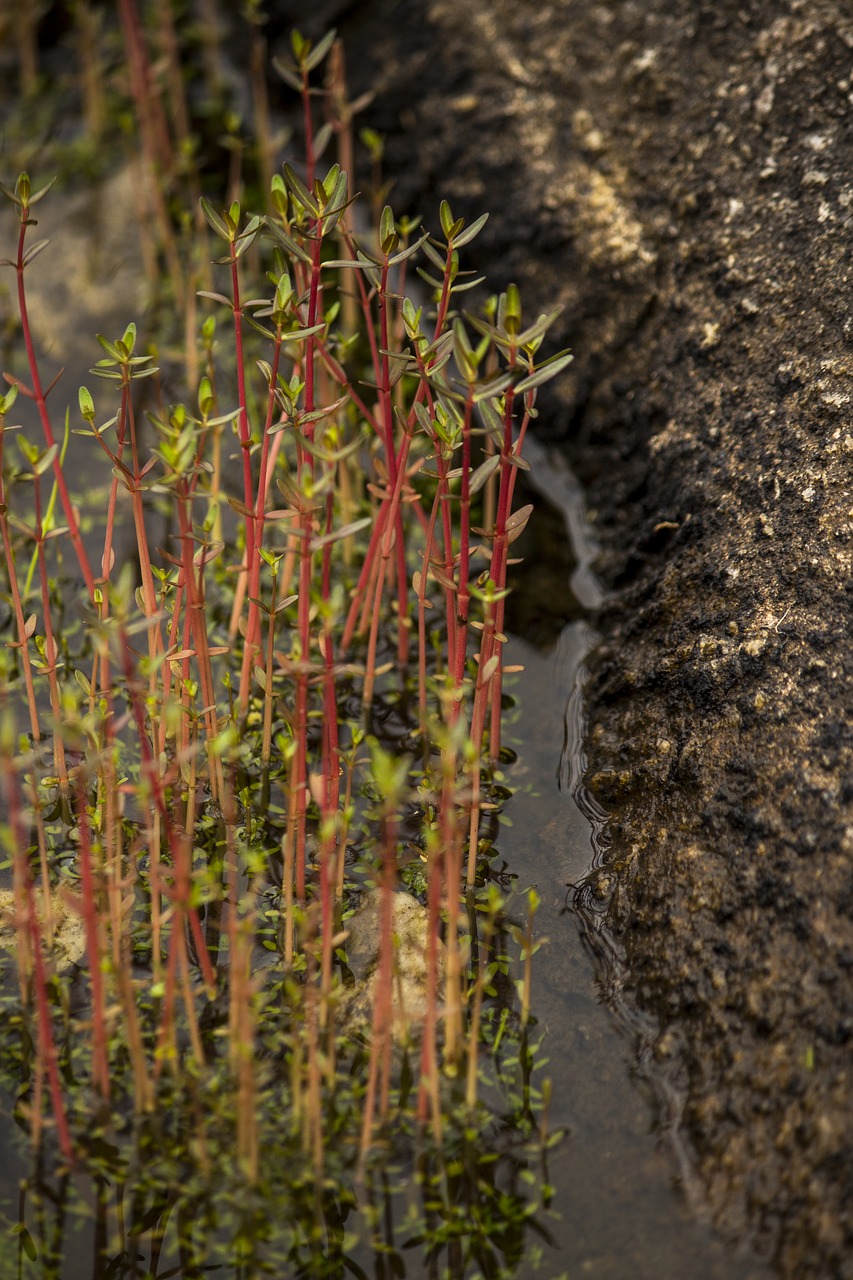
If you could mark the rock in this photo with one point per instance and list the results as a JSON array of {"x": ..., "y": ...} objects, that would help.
[
  {"x": 410, "y": 925},
  {"x": 69, "y": 940}
]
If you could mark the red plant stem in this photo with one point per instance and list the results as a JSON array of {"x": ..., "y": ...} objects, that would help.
[
  {"x": 311, "y": 344},
  {"x": 47, "y": 1045},
  {"x": 127, "y": 420},
  {"x": 327, "y": 929},
  {"x": 449, "y": 829},
  {"x": 154, "y": 126},
  {"x": 198, "y": 630},
  {"x": 172, "y": 642},
  {"x": 340, "y": 377},
  {"x": 47, "y": 427},
  {"x": 253, "y": 625},
  {"x": 449, "y": 559},
  {"x": 121, "y": 942},
  {"x": 364, "y": 578},
  {"x": 362, "y": 596},
  {"x": 463, "y": 594},
  {"x": 380, "y": 1039},
  {"x": 266, "y": 740},
  {"x": 428, "y": 1087},
  {"x": 304, "y": 601},
  {"x": 101, "y": 676},
  {"x": 394, "y": 465},
  {"x": 51, "y": 652},
  {"x": 245, "y": 435},
  {"x": 300, "y": 762},
  {"x": 310, "y": 157},
  {"x": 89, "y": 912},
  {"x": 443, "y": 500},
  {"x": 156, "y": 786},
  {"x": 500, "y": 551},
  {"x": 166, "y": 1032},
  {"x": 157, "y": 148},
  {"x": 370, "y": 663},
  {"x": 444, "y": 300},
  {"x": 330, "y": 720},
  {"x": 391, "y": 519},
  {"x": 363, "y": 593},
  {"x": 422, "y": 637},
  {"x": 17, "y": 605}
]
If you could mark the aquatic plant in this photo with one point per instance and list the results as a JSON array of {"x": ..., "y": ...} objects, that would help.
[{"x": 249, "y": 742}]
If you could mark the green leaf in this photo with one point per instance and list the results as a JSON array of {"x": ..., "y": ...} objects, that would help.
[
  {"x": 290, "y": 246},
  {"x": 517, "y": 522},
  {"x": 87, "y": 404},
  {"x": 299, "y": 335},
  {"x": 489, "y": 669},
  {"x": 45, "y": 462},
  {"x": 324, "y": 188},
  {"x": 509, "y": 311},
  {"x": 446, "y": 218},
  {"x": 288, "y": 74},
  {"x": 34, "y": 251},
  {"x": 42, "y": 192},
  {"x": 346, "y": 531},
  {"x": 469, "y": 284},
  {"x": 474, "y": 230},
  {"x": 411, "y": 317},
  {"x": 214, "y": 297},
  {"x": 481, "y": 475},
  {"x": 437, "y": 259},
  {"x": 544, "y": 373},
  {"x": 247, "y": 237},
  {"x": 205, "y": 397},
  {"x": 390, "y": 773},
  {"x": 408, "y": 253},
  {"x": 111, "y": 348},
  {"x": 322, "y": 138},
  {"x": 538, "y": 329},
  {"x": 465, "y": 359},
  {"x": 23, "y": 528},
  {"x": 213, "y": 218},
  {"x": 433, "y": 284},
  {"x": 336, "y": 206},
  {"x": 388, "y": 238},
  {"x": 278, "y": 195},
  {"x": 300, "y": 192},
  {"x": 492, "y": 387},
  {"x": 319, "y": 52},
  {"x": 374, "y": 143},
  {"x": 8, "y": 400},
  {"x": 27, "y": 1242},
  {"x": 422, "y": 414},
  {"x": 260, "y": 328}
]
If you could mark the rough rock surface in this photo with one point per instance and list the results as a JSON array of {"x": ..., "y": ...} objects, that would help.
[
  {"x": 409, "y": 923},
  {"x": 678, "y": 173}
]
